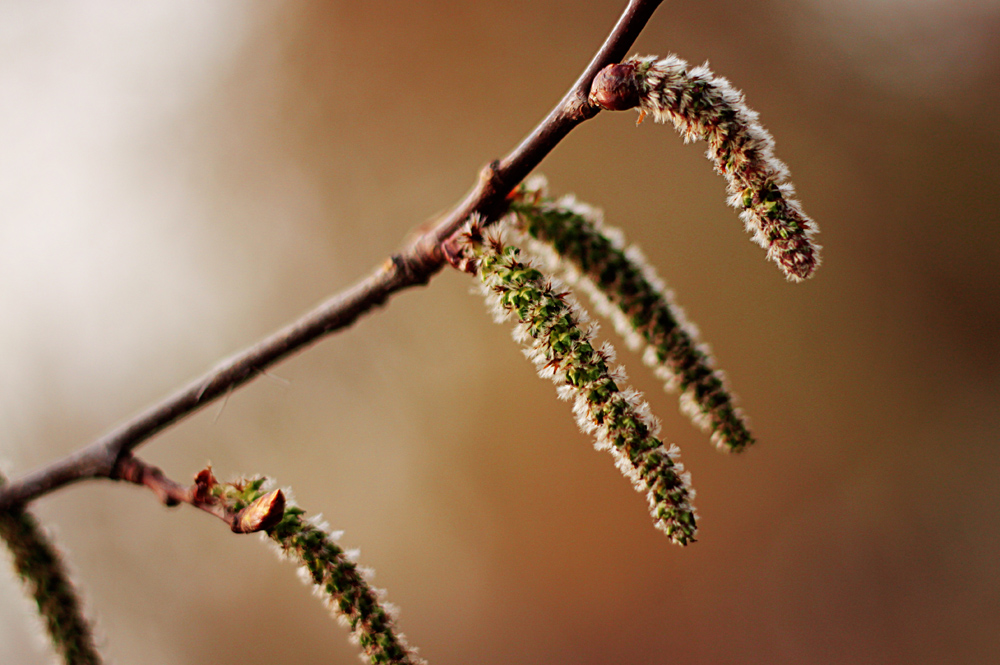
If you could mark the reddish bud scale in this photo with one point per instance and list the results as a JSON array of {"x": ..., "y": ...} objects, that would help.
[
  {"x": 261, "y": 515},
  {"x": 616, "y": 88}
]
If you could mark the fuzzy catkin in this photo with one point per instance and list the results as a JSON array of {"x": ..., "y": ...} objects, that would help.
[
  {"x": 551, "y": 327},
  {"x": 335, "y": 576},
  {"x": 706, "y": 107},
  {"x": 625, "y": 287},
  {"x": 39, "y": 565}
]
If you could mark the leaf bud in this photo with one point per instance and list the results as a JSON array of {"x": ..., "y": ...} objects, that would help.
[{"x": 616, "y": 88}]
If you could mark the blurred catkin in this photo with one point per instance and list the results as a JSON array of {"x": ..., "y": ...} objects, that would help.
[{"x": 39, "y": 565}]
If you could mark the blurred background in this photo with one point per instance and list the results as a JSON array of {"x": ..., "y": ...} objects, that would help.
[{"x": 179, "y": 179}]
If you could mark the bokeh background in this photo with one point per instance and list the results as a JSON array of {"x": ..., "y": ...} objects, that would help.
[{"x": 178, "y": 179}]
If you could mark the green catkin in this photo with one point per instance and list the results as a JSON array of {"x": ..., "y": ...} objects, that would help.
[
  {"x": 40, "y": 567},
  {"x": 550, "y": 325},
  {"x": 334, "y": 576},
  {"x": 624, "y": 287}
]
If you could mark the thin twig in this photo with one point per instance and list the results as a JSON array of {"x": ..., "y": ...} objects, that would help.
[
  {"x": 260, "y": 515},
  {"x": 413, "y": 266}
]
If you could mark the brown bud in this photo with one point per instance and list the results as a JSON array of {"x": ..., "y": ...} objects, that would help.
[
  {"x": 262, "y": 514},
  {"x": 616, "y": 88},
  {"x": 204, "y": 481}
]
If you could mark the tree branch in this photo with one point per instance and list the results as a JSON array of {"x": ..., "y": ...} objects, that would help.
[{"x": 413, "y": 266}]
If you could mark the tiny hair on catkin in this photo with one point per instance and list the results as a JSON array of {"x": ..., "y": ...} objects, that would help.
[
  {"x": 573, "y": 240},
  {"x": 702, "y": 106}
]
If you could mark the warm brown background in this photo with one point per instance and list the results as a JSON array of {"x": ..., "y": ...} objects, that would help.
[{"x": 179, "y": 179}]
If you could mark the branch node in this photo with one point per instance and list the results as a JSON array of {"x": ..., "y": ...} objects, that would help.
[
  {"x": 489, "y": 176},
  {"x": 129, "y": 469},
  {"x": 415, "y": 268}
]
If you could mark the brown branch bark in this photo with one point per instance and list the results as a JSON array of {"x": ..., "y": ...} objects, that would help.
[{"x": 413, "y": 266}]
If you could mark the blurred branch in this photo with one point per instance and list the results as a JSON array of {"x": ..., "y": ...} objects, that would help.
[{"x": 413, "y": 266}]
